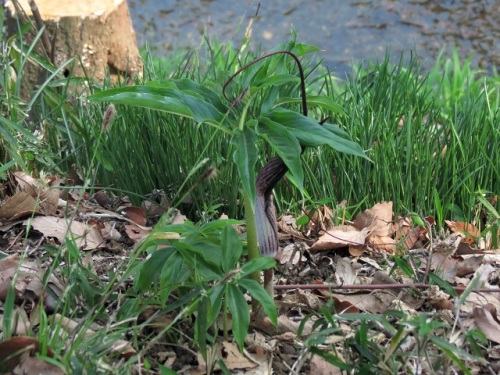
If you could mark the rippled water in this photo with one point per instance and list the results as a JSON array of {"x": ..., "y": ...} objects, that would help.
[{"x": 347, "y": 30}]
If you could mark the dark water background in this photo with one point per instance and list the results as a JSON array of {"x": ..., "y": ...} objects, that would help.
[{"x": 347, "y": 30}]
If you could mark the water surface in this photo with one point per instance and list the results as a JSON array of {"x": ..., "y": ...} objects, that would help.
[{"x": 346, "y": 30}]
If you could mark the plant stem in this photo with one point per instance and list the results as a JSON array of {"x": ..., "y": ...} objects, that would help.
[{"x": 253, "y": 248}]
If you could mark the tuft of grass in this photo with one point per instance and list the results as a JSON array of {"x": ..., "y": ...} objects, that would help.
[
  {"x": 422, "y": 137},
  {"x": 425, "y": 135}
]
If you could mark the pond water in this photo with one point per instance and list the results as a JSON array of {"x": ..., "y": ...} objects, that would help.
[{"x": 346, "y": 30}]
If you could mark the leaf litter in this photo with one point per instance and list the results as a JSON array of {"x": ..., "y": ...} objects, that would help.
[{"x": 325, "y": 261}]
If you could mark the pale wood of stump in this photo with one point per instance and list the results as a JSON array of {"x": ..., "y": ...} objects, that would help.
[{"x": 98, "y": 32}]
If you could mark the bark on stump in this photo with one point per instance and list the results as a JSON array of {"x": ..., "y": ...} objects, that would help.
[{"x": 99, "y": 33}]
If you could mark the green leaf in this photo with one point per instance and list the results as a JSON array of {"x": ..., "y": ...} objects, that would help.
[
  {"x": 257, "y": 264},
  {"x": 311, "y": 134},
  {"x": 152, "y": 268},
  {"x": 453, "y": 352},
  {"x": 240, "y": 315},
  {"x": 321, "y": 101},
  {"x": 285, "y": 145},
  {"x": 276, "y": 80},
  {"x": 443, "y": 284},
  {"x": 245, "y": 158},
  {"x": 404, "y": 266},
  {"x": 203, "y": 257},
  {"x": 166, "y": 371},
  {"x": 216, "y": 293},
  {"x": 174, "y": 271},
  {"x": 215, "y": 226},
  {"x": 207, "y": 250},
  {"x": 258, "y": 292},
  {"x": 8, "y": 312},
  {"x": 303, "y": 220},
  {"x": 231, "y": 248},
  {"x": 301, "y": 49},
  {"x": 201, "y": 325},
  {"x": 163, "y": 99},
  {"x": 211, "y": 96}
]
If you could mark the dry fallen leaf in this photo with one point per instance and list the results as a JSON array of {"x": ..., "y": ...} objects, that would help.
[
  {"x": 136, "y": 214},
  {"x": 136, "y": 233},
  {"x": 30, "y": 365},
  {"x": 26, "y": 183},
  {"x": 321, "y": 367},
  {"x": 378, "y": 219},
  {"x": 293, "y": 250},
  {"x": 11, "y": 261},
  {"x": 383, "y": 243},
  {"x": 485, "y": 319},
  {"x": 85, "y": 237},
  {"x": 401, "y": 227},
  {"x": 438, "y": 299},
  {"x": 12, "y": 349},
  {"x": 340, "y": 236},
  {"x": 469, "y": 230},
  {"x": 376, "y": 302},
  {"x": 19, "y": 205}
]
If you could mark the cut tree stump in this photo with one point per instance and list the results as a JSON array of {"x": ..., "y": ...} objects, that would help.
[{"x": 98, "y": 33}]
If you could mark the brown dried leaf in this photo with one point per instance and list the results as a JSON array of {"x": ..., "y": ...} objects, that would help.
[
  {"x": 30, "y": 365},
  {"x": 344, "y": 306},
  {"x": 412, "y": 238},
  {"x": 438, "y": 299},
  {"x": 469, "y": 230},
  {"x": 109, "y": 232},
  {"x": 154, "y": 209},
  {"x": 444, "y": 266},
  {"x": 106, "y": 199},
  {"x": 234, "y": 359},
  {"x": 44, "y": 190},
  {"x": 26, "y": 183},
  {"x": 87, "y": 238},
  {"x": 376, "y": 302},
  {"x": 383, "y": 243},
  {"x": 308, "y": 299},
  {"x": 402, "y": 227},
  {"x": 21, "y": 204},
  {"x": 485, "y": 319},
  {"x": 6, "y": 277},
  {"x": 11, "y": 350},
  {"x": 293, "y": 250},
  {"x": 320, "y": 366},
  {"x": 378, "y": 219},
  {"x": 357, "y": 250},
  {"x": 341, "y": 236},
  {"x": 320, "y": 220},
  {"x": 468, "y": 264},
  {"x": 287, "y": 226},
  {"x": 285, "y": 325},
  {"x": 178, "y": 218},
  {"x": 344, "y": 273},
  {"x": 136, "y": 214},
  {"x": 49, "y": 198},
  {"x": 136, "y": 233},
  {"x": 11, "y": 261}
]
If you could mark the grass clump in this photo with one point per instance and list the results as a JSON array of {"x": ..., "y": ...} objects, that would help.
[
  {"x": 414, "y": 128},
  {"x": 426, "y": 137}
]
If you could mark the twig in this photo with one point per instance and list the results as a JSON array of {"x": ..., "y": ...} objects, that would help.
[
  {"x": 376, "y": 287},
  {"x": 431, "y": 252},
  {"x": 39, "y": 24}
]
